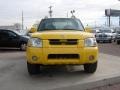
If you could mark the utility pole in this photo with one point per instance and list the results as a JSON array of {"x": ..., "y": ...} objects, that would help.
[
  {"x": 50, "y": 12},
  {"x": 22, "y": 21},
  {"x": 109, "y": 20},
  {"x": 67, "y": 14},
  {"x": 119, "y": 20}
]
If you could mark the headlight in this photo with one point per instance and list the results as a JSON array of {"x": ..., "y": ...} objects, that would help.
[
  {"x": 35, "y": 42},
  {"x": 90, "y": 42}
]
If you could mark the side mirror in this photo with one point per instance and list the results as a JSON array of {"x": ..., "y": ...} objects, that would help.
[{"x": 32, "y": 30}]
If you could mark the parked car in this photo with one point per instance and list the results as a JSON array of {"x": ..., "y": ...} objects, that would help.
[
  {"x": 118, "y": 37},
  {"x": 95, "y": 31},
  {"x": 114, "y": 34},
  {"x": 61, "y": 41},
  {"x": 12, "y": 39},
  {"x": 104, "y": 35}
]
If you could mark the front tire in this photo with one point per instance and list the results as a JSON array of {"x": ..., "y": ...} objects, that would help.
[
  {"x": 118, "y": 42},
  {"x": 110, "y": 41},
  {"x": 90, "y": 68},
  {"x": 33, "y": 68}
]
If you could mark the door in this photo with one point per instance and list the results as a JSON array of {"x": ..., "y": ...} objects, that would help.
[
  {"x": 3, "y": 38},
  {"x": 13, "y": 39}
]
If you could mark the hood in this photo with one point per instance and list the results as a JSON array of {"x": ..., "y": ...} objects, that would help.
[
  {"x": 25, "y": 36},
  {"x": 108, "y": 34},
  {"x": 62, "y": 34}
]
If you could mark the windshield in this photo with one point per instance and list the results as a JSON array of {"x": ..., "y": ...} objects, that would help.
[
  {"x": 60, "y": 24},
  {"x": 17, "y": 32},
  {"x": 105, "y": 31}
]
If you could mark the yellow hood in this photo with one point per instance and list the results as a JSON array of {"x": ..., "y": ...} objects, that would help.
[{"x": 62, "y": 34}]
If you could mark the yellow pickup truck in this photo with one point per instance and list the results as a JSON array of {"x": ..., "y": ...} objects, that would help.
[{"x": 61, "y": 41}]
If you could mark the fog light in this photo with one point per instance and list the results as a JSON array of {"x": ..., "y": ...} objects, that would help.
[
  {"x": 34, "y": 58},
  {"x": 91, "y": 57}
]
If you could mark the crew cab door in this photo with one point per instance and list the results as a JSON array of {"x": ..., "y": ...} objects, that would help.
[
  {"x": 8, "y": 39},
  {"x": 4, "y": 39},
  {"x": 1, "y": 39},
  {"x": 13, "y": 39}
]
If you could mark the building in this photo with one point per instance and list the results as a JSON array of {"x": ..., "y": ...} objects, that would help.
[{"x": 16, "y": 26}]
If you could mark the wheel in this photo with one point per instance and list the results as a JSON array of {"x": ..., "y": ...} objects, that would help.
[
  {"x": 110, "y": 41},
  {"x": 118, "y": 42},
  {"x": 114, "y": 40},
  {"x": 33, "y": 68},
  {"x": 23, "y": 46},
  {"x": 90, "y": 68}
]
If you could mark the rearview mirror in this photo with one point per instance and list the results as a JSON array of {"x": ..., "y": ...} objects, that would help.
[{"x": 32, "y": 30}]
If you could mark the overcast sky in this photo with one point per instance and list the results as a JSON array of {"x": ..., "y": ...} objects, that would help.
[{"x": 89, "y": 11}]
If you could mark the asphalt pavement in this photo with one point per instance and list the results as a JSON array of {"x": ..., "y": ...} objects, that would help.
[{"x": 14, "y": 75}]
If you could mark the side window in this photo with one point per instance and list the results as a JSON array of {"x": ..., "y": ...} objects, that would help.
[
  {"x": 0, "y": 35},
  {"x": 3, "y": 35},
  {"x": 11, "y": 34}
]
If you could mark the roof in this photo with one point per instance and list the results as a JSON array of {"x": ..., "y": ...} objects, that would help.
[{"x": 60, "y": 18}]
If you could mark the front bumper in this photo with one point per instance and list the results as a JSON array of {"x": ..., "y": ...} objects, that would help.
[{"x": 42, "y": 55}]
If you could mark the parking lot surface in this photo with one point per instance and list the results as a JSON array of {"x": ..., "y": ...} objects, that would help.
[{"x": 14, "y": 75}]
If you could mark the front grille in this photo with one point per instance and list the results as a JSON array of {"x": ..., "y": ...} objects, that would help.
[
  {"x": 63, "y": 56},
  {"x": 102, "y": 35},
  {"x": 63, "y": 41},
  {"x": 105, "y": 36}
]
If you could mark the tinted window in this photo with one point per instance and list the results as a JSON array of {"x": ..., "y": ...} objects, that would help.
[
  {"x": 60, "y": 24},
  {"x": 0, "y": 35},
  {"x": 3, "y": 35},
  {"x": 105, "y": 31},
  {"x": 11, "y": 34}
]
